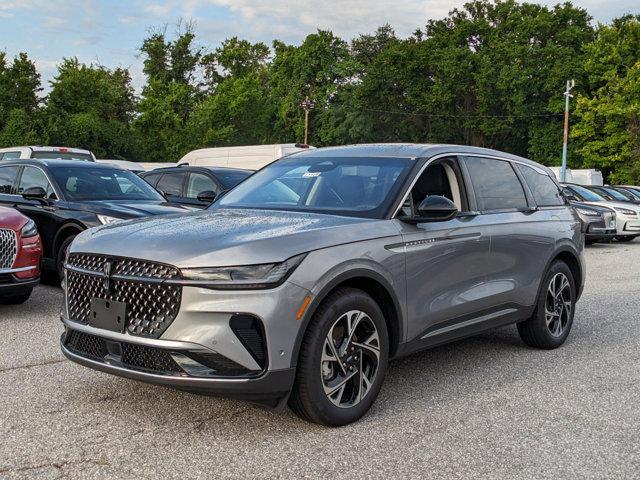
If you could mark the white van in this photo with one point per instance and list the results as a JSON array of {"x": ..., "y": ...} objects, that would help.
[
  {"x": 250, "y": 157},
  {"x": 582, "y": 176}
]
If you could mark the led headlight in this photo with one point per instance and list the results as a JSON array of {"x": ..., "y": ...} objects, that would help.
[
  {"x": 106, "y": 220},
  {"x": 29, "y": 229},
  {"x": 265, "y": 275},
  {"x": 625, "y": 211},
  {"x": 590, "y": 213}
]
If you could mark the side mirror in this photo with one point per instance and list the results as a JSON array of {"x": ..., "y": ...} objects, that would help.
[
  {"x": 436, "y": 208},
  {"x": 208, "y": 196},
  {"x": 572, "y": 198},
  {"x": 35, "y": 193}
]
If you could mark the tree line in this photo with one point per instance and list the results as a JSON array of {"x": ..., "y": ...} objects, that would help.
[{"x": 490, "y": 74}]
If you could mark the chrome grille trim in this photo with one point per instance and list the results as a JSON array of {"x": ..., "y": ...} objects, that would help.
[{"x": 152, "y": 305}]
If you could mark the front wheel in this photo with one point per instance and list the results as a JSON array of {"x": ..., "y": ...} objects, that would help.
[
  {"x": 625, "y": 238},
  {"x": 62, "y": 256},
  {"x": 16, "y": 299},
  {"x": 551, "y": 322},
  {"x": 343, "y": 360}
]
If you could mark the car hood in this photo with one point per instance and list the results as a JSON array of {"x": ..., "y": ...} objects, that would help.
[
  {"x": 127, "y": 209},
  {"x": 628, "y": 206},
  {"x": 227, "y": 237}
]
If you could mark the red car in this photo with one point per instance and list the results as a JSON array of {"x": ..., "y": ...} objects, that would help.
[{"x": 20, "y": 256}]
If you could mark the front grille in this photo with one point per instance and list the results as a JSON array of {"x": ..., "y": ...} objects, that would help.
[
  {"x": 148, "y": 358},
  {"x": 133, "y": 356},
  {"x": 151, "y": 306},
  {"x": 8, "y": 248}
]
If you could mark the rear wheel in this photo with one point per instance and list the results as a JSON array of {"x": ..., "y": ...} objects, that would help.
[
  {"x": 343, "y": 360},
  {"x": 552, "y": 319},
  {"x": 16, "y": 299}
]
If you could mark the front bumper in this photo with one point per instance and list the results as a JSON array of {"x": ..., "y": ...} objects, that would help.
[
  {"x": 204, "y": 328},
  {"x": 269, "y": 389},
  {"x": 10, "y": 284}
]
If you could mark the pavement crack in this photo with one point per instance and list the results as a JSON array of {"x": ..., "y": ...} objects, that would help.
[
  {"x": 31, "y": 365},
  {"x": 56, "y": 465}
]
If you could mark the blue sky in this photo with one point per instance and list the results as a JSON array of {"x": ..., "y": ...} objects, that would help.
[{"x": 110, "y": 32}]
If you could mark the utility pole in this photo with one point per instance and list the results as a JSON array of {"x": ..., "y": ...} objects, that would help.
[
  {"x": 567, "y": 96},
  {"x": 307, "y": 105}
]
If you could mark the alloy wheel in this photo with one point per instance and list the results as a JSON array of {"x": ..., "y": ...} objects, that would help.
[
  {"x": 558, "y": 305},
  {"x": 350, "y": 359}
]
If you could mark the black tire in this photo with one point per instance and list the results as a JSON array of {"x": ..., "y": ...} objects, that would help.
[
  {"x": 625, "y": 238},
  {"x": 16, "y": 299},
  {"x": 308, "y": 398},
  {"x": 536, "y": 332},
  {"x": 62, "y": 251}
]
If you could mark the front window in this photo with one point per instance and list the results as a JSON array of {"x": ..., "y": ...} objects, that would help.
[
  {"x": 53, "y": 155},
  {"x": 102, "y": 183},
  {"x": 230, "y": 178},
  {"x": 355, "y": 186}
]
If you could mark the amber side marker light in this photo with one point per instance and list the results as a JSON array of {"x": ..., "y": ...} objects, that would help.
[{"x": 303, "y": 307}]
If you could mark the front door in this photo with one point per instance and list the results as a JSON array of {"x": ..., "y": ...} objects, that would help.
[{"x": 445, "y": 261}]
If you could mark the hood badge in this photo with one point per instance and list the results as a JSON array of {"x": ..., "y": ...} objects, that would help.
[{"x": 106, "y": 276}]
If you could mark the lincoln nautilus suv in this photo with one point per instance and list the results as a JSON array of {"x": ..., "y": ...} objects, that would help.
[{"x": 300, "y": 284}]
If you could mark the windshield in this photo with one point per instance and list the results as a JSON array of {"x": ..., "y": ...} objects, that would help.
[
  {"x": 53, "y": 155},
  {"x": 230, "y": 178},
  {"x": 362, "y": 187},
  {"x": 586, "y": 194},
  {"x": 635, "y": 193},
  {"x": 102, "y": 183},
  {"x": 615, "y": 194}
]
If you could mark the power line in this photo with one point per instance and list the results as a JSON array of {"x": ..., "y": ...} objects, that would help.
[{"x": 448, "y": 115}]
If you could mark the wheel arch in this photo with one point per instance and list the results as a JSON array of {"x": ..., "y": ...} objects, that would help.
[
  {"x": 64, "y": 232},
  {"x": 571, "y": 257},
  {"x": 374, "y": 285}
]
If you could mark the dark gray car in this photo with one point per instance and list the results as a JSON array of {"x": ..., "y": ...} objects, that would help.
[{"x": 303, "y": 281}]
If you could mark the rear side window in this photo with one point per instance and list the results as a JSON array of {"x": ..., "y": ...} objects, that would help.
[
  {"x": 545, "y": 191},
  {"x": 496, "y": 184},
  {"x": 7, "y": 179},
  {"x": 9, "y": 155},
  {"x": 171, "y": 183}
]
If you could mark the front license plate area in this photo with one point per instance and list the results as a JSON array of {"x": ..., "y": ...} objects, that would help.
[{"x": 108, "y": 314}]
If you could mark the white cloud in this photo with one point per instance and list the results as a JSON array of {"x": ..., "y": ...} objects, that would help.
[{"x": 345, "y": 18}]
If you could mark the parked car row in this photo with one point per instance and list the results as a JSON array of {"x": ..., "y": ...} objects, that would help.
[{"x": 297, "y": 283}]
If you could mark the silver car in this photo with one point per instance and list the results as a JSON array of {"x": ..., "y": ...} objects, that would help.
[{"x": 303, "y": 281}]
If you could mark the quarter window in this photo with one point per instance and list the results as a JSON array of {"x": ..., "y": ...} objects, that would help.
[
  {"x": 496, "y": 184},
  {"x": 7, "y": 179},
  {"x": 545, "y": 191}
]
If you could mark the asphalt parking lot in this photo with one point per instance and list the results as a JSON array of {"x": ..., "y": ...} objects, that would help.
[{"x": 485, "y": 407}]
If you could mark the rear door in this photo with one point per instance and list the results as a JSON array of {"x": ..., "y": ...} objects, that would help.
[
  {"x": 523, "y": 235},
  {"x": 8, "y": 179}
]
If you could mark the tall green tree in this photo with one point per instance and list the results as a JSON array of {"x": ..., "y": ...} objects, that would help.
[
  {"x": 608, "y": 130},
  {"x": 173, "y": 89},
  {"x": 91, "y": 106}
]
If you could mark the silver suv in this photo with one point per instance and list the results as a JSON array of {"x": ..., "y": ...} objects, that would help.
[{"x": 303, "y": 281}]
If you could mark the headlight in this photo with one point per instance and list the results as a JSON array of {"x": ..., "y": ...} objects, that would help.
[
  {"x": 590, "y": 213},
  {"x": 625, "y": 211},
  {"x": 106, "y": 220},
  {"x": 29, "y": 229},
  {"x": 266, "y": 275}
]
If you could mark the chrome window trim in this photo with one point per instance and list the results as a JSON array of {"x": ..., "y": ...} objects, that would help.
[{"x": 459, "y": 154}]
